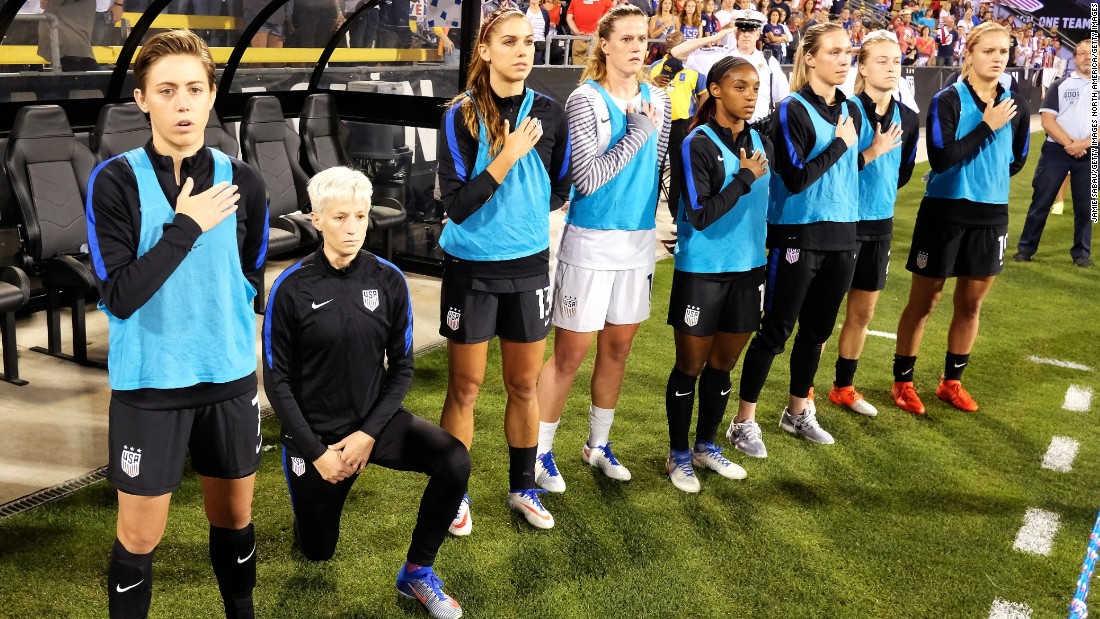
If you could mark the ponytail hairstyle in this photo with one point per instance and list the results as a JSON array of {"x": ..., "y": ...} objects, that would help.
[
  {"x": 976, "y": 33},
  {"x": 717, "y": 73},
  {"x": 874, "y": 38},
  {"x": 478, "y": 105},
  {"x": 810, "y": 44},
  {"x": 596, "y": 68}
]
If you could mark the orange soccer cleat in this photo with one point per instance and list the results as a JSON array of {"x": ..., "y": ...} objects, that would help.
[
  {"x": 905, "y": 396},
  {"x": 952, "y": 392}
]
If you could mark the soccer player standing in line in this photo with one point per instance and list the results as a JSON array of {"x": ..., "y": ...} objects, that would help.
[
  {"x": 178, "y": 237},
  {"x": 332, "y": 320},
  {"x": 811, "y": 234},
  {"x": 498, "y": 186},
  {"x": 977, "y": 139},
  {"x": 618, "y": 127},
  {"x": 885, "y": 125},
  {"x": 718, "y": 286}
]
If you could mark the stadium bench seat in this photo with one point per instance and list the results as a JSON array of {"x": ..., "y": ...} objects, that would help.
[{"x": 15, "y": 291}]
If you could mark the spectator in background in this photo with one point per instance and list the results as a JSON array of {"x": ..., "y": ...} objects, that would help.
[
  {"x": 75, "y": 20},
  {"x": 582, "y": 17},
  {"x": 725, "y": 13},
  {"x": 774, "y": 35},
  {"x": 661, "y": 26},
  {"x": 907, "y": 37},
  {"x": 271, "y": 33},
  {"x": 960, "y": 47},
  {"x": 927, "y": 18},
  {"x": 967, "y": 21},
  {"x": 540, "y": 27},
  {"x": 815, "y": 19},
  {"x": 948, "y": 38},
  {"x": 691, "y": 22},
  {"x": 846, "y": 19},
  {"x": 1054, "y": 65},
  {"x": 645, "y": 5},
  {"x": 794, "y": 26},
  {"x": 710, "y": 22},
  {"x": 315, "y": 21},
  {"x": 553, "y": 9},
  {"x": 925, "y": 45}
]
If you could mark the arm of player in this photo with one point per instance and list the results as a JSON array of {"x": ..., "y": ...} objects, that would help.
[
  {"x": 254, "y": 248},
  {"x": 794, "y": 139},
  {"x": 910, "y": 125},
  {"x": 590, "y": 169},
  {"x": 126, "y": 282},
  {"x": 944, "y": 151},
  {"x": 561, "y": 181},
  {"x": 706, "y": 201},
  {"x": 279, "y": 334},
  {"x": 461, "y": 195},
  {"x": 399, "y": 357},
  {"x": 1021, "y": 136}
]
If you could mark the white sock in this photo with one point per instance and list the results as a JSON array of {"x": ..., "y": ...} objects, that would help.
[
  {"x": 546, "y": 436},
  {"x": 599, "y": 425}
]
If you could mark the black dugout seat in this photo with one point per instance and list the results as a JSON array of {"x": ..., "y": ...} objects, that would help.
[
  {"x": 217, "y": 136},
  {"x": 325, "y": 145},
  {"x": 271, "y": 146},
  {"x": 15, "y": 291},
  {"x": 121, "y": 127},
  {"x": 49, "y": 172}
]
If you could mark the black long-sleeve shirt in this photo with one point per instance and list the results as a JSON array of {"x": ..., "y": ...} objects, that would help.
[
  {"x": 326, "y": 334},
  {"x": 707, "y": 174},
  {"x": 794, "y": 139},
  {"x": 126, "y": 282},
  {"x": 463, "y": 193},
  {"x": 910, "y": 138},
  {"x": 944, "y": 151}
]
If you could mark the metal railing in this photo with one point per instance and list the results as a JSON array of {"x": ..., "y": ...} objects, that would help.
[{"x": 55, "y": 42}]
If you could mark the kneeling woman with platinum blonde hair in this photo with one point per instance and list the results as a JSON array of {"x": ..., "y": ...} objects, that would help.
[{"x": 331, "y": 321}]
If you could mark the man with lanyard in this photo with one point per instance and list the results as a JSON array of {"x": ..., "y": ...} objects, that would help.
[
  {"x": 701, "y": 54},
  {"x": 1067, "y": 150}
]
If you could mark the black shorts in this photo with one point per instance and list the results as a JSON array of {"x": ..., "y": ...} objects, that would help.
[
  {"x": 872, "y": 265},
  {"x": 470, "y": 316},
  {"x": 148, "y": 447},
  {"x": 942, "y": 250},
  {"x": 701, "y": 304}
]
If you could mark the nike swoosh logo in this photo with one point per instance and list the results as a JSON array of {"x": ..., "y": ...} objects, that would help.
[
  {"x": 959, "y": 365},
  {"x": 242, "y": 560},
  {"x": 320, "y": 305},
  {"x": 909, "y": 371},
  {"x": 720, "y": 159},
  {"x": 258, "y": 446},
  {"x": 536, "y": 512},
  {"x": 680, "y": 395},
  {"x": 122, "y": 589},
  {"x": 727, "y": 391},
  {"x": 605, "y": 120}
]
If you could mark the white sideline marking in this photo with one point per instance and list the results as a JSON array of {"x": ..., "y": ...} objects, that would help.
[
  {"x": 1078, "y": 399},
  {"x": 889, "y": 336},
  {"x": 1062, "y": 364},
  {"x": 1003, "y": 609},
  {"x": 1060, "y": 454},
  {"x": 1037, "y": 534}
]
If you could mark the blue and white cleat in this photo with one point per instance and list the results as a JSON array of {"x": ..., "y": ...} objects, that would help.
[
  {"x": 600, "y": 457},
  {"x": 680, "y": 471},
  {"x": 425, "y": 587},
  {"x": 709, "y": 455},
  {"x": 527, "y": 503},
  {"x": 463, "y": 523},
  {"x": 547, "y": 475}
]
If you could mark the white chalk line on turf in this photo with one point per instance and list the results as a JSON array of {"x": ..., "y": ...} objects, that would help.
[
  {"x": 1037, "y": 534},
  {"x": 1062, "y": 364},
  {"x": 1078, "y": 399},
  {"x": 1003, "y": 609},
  {"x": 1060, "y": 454},
  {"x": 889, "y": 336}
]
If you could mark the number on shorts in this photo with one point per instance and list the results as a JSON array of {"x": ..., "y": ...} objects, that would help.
[
  {"x": 1002, "y": 245},
  {"x": 544, "y": 302},
  {"x": 761, "y": 298},
  {"x": 649, "y": 278}
]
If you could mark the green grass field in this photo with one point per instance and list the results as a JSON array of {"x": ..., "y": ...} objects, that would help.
[{"x": 904, "y": 517}]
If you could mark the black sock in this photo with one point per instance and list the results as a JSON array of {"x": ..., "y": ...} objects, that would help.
[
  {"x": 233, "y": 556},
  {"x": 954, "y": 365},
  {"x": 845, "y": 371},
  {"x": 805, "y": 357},
  {"x": 903, "y": 368},
  {"x": 521, "y": 467},
  {"x": 679, "y": 400},
  {"x": 129, "y": 583},
  {"x": 754, "y": 371},
  {"x": 714, "y": 394}
]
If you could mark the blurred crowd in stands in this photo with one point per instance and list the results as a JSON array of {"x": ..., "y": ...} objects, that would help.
[{"x": 931, "y": 32}]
